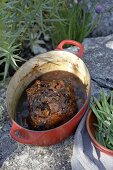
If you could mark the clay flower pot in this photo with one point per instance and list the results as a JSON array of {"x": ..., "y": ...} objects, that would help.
[{"x": 90, "y": 120}]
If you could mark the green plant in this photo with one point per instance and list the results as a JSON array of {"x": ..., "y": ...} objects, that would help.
[
  {"x": 30, "y": 18},
  {"x": 103, "y": 110},
  {"x": 78, "y": 21},
  {"x": 29, "y": 21},
  {"x": 8, "y": 48},
  {"x": 8, "y": 51},
  {"x": 8, "y": 58},
  {"x": 22, "y": 20}
]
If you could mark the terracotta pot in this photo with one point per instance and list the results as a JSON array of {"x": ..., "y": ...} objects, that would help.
[
  {"x": 32, "y": 69},
  {"x": 90, "y": 120}
]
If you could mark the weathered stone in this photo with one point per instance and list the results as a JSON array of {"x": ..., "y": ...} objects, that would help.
[
  {"x": 100, "y": 61},
  {"x": 110, "y": 44},
  {"x": 46, "y": 37},
  {"x": 14, "y": 156},
  {"x": 105, "y": 27},
  {"x": 37, "y": 49}
]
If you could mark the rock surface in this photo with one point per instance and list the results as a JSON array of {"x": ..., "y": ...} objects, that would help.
[
  {"x": 14, "y": 156},
  {"x": 105, "y": 26}
]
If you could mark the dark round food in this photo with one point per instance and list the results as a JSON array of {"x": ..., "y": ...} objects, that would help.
[{"x": 50, "y": 103}]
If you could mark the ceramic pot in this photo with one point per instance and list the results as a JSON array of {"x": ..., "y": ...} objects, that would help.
[
  {"x": 31, "y": 70},
  {"x": 90, "y": 120}
]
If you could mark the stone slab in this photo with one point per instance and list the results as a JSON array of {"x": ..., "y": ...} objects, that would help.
[{"x": 98, "y": 57}]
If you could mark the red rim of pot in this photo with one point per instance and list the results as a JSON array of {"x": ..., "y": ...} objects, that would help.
[
  {"x": 80, "y": 55},
  {"x": 76, "y": 115},
  {"x": 72, "y": 122}
]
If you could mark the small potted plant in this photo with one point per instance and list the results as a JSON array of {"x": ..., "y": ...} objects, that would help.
[{"x": 99, "y": 123}]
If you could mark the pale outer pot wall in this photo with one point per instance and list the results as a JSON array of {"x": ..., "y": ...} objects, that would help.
[{"x": 32, "y": 69}]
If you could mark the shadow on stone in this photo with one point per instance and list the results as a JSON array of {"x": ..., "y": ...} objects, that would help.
[
  {"x": 7, "y": 144},
  {"x": 14, "y": 155}
]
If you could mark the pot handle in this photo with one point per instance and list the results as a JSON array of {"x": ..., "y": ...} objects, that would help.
[
  {"x": 20, "y": 135},
  {"x": 72, "y": 42}
]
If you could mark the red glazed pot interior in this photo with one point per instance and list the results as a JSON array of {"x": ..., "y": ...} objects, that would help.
[
  {"x": 31, "y": 70},
  {"x": 90, "y": 120}
]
